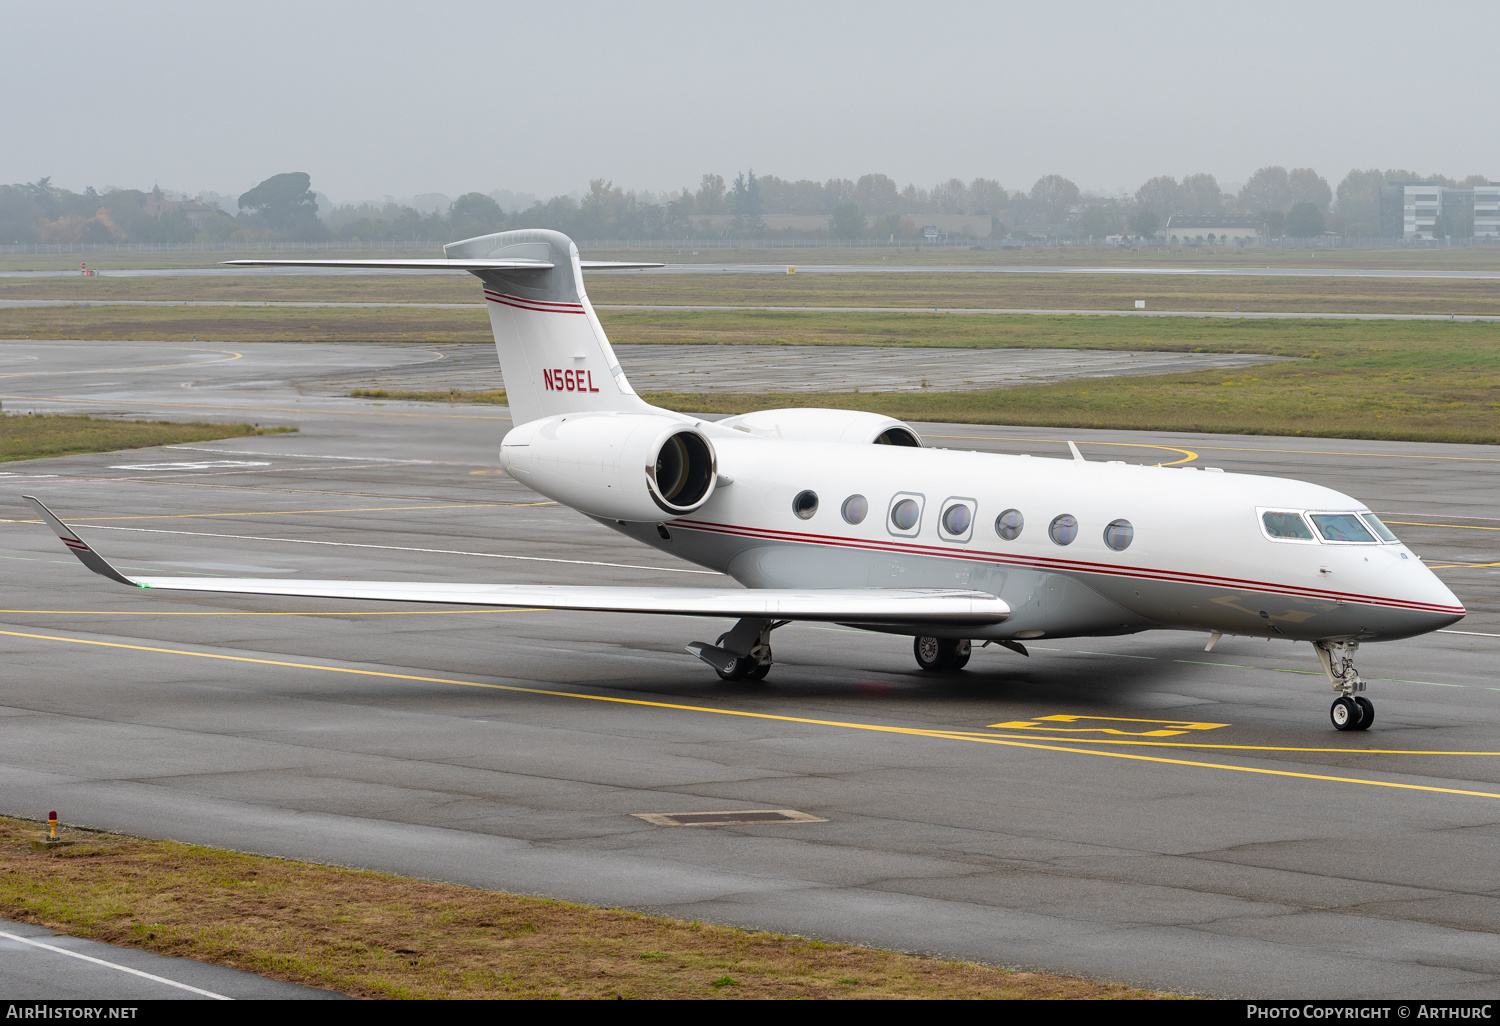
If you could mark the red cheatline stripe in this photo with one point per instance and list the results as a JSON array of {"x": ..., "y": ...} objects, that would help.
[
  {"x": 534, "y": 305},
  {"x": 541, "y": 302},
  {"x": 535, "y": 302},
  {"x": 1044, "y": 563}
]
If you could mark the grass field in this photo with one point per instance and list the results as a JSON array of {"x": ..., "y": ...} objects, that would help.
[
  {"x": 1427, "y": 380},
  {"x": 1420, "y": 380},
  {"x": 381, "y": 936},
  {"x": 983, "y": 290},
  {"x": 33, "y": 437},
  {"x": 1433, "y": 258}
]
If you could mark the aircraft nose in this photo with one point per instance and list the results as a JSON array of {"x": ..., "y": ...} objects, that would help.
[{"x": 1428, "y": 603}]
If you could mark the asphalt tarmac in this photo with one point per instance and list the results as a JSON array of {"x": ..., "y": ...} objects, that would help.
[
  {"x": 39, "y": 965},
  {"x": 1254, "y": 851}
]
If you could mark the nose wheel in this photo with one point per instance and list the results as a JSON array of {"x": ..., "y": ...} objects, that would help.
[
  {"x": 942, "y": 653},
  {"x": 1351, "y": 710},
  {"x": 1355, "y": 713}
]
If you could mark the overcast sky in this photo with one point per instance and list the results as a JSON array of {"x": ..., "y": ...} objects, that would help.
[{"x": 375, "y": 97}]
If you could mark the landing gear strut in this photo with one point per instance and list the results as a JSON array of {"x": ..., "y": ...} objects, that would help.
[
  {"x": 741, "y": 653},
  {"x": 942, "y": 653},
  {"x": 1351, "y": 710}
]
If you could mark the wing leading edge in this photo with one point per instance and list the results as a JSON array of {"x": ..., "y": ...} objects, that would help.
[{"x": 844, "y": 605}]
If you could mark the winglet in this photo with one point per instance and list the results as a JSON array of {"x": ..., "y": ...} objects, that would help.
[
  {"x": 1077, "y": 456},
  {"x": 87, "y": 556}
]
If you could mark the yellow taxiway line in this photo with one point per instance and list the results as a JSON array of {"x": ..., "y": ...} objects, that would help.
[{"x": 842, "y": 724}]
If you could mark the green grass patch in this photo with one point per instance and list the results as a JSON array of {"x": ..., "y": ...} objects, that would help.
[
  {"x": 1362, "y": 294},
  {"x": 493, "y": 397},
  {"x": 382, "y": 936},
  {"x": 1435, "y": 381},
  {"x": 25, "y": 437}
]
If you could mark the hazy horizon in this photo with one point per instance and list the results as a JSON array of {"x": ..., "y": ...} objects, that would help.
[{"x": 374, "y": 100}]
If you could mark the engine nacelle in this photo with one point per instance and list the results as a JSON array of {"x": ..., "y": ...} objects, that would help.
[
  {"x": 814, "y": 425},
  {"x": 622, "y": 466}
]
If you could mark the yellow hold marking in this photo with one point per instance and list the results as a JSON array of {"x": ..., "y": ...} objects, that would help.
[{"x": 1169, "y": 728}]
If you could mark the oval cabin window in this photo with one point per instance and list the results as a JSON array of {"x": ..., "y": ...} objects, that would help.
[
  {"x": 855, "y": 509},
  {"x": 1119, "y": 534},
  {"x": 805, "y": 504},
  {"x": 957, "y": 518},
  {"x": 904, "y": 514},
  {"x": 1008, "y": 524},
  {"x": 1063, "y": 529}
]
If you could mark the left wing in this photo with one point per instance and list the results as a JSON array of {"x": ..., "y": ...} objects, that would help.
[{"x": 949, "y": 606}]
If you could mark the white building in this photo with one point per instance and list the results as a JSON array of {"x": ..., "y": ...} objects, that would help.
[
  {"x": 1421, "y": 207},
  {"x": 1487, "y": 211},
  {"x": 1211, "y": 228}
]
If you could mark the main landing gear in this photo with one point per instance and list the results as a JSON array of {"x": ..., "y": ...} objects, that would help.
[
  {"x": 942, "y": 653},
  {"x": 1351, "y": 710},
  {"x": 741, "y": 653}
]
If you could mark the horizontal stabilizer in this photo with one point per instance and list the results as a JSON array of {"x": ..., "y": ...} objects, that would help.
[
  {"x": 446, "y": 265},
  {"x": 947, "y": 606},
  {"x": 407, "y": 265}
]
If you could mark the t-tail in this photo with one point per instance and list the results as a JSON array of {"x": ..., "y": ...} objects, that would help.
[{"x": 554, "y": 355}]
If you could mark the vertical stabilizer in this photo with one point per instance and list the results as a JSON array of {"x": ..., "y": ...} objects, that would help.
[{"x": 553, "y": 352}]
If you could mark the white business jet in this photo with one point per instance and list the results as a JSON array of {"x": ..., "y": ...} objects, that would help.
[{"x": 846, "y": 517}]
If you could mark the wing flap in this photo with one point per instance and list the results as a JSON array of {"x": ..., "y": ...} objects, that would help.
[{"x": 844, "y": 605}]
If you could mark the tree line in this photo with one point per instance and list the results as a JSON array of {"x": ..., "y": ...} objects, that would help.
[{"x": 1297, "y": 202}]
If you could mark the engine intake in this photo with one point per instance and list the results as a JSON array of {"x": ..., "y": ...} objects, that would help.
[
  {"x": 683, "y": 473},
  {"x": 619, "y": 466}
]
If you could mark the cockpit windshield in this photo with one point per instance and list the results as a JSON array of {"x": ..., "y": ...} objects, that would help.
[
  {"x": 1341, "y": 527},
  {"x": 1286, "y": 525},
  {"x": 1381, "y": 531}
]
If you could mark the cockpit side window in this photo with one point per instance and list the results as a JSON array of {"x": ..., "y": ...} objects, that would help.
[
  {"x": 1285, "y": 525},
  {"x": 1342, "y": 527},
  {"x": 1381, "y": 531}
]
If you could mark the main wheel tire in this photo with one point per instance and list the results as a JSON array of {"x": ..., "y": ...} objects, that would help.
[
  {"x": 1367, "y": 711},
  {"x": 760, "y": 671},
  {"x": 941, "y": 653},
  {"x": 929, "y": 653},
  {"x": 741, "y": 669},
  {"x": 1345, "y": 714}
]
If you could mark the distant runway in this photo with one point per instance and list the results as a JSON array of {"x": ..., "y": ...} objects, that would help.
[
  {"x": 673, "y": 307},
  {"x": 1260, "y": 853}
]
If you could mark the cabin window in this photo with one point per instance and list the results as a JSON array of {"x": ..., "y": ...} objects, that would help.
[
  {"x": 1341, "y": 527},
  {"x": 1286, "y": 526},
  {"x": 1381, "y": 531},
  {"x": 855, "y": 509},
  {"x": 957, "y": 518},
  {"x": 906, "y": 514},
  {"x": 1063, "y": 529},
  {"x": 957, "y": 521},
  {"x": 1119, "y": 534},
  {"x": 1008, "y": 524},
  {"x": 805, "y": 504}
]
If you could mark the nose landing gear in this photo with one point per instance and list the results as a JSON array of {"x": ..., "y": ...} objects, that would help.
[
  {"x": 942, "y": 653},
  {"x": 1351, "y": 710}
]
